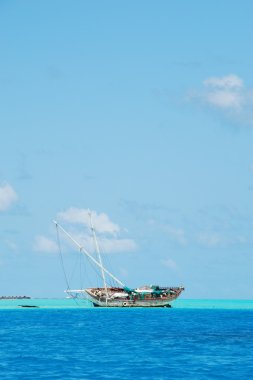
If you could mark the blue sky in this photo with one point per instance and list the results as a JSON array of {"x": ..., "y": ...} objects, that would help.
[{"x": 143, "y": 113}]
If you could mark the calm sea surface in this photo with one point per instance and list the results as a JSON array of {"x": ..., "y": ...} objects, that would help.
[{"x": 60, "y": 340}]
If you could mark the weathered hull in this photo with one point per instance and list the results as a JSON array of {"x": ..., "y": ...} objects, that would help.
[
  {"x": 100, "y": 301},
  {"x": 97, "y": 303}
]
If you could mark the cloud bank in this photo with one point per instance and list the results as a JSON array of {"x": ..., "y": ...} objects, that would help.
[{"x": 77, "y": 222}]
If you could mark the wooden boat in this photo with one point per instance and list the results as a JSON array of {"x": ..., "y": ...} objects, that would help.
[{"x": 121, "y": 295}]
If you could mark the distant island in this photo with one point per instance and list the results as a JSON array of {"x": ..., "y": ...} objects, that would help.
[{"x": 15, "y": 297}]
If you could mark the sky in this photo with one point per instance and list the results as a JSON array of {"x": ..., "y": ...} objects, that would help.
[{"x": 141, "y": 112}]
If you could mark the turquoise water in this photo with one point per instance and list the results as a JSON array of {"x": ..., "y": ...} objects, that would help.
[
  {"x": 49, "y": 303},
  {"x": 213, "y": 304},
  {"x": 197, "y": 339},
  {"x": 178, "y": 304}
]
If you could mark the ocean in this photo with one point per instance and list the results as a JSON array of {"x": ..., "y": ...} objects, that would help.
[{"x": 60, "y": 339}]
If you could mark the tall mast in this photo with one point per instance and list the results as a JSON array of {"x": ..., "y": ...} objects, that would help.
[
  {"x": 83, "y": 250},
  {"x": 98, "y": 253}
]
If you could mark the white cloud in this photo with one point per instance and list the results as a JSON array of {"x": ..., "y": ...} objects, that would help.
[
  {"x": 111, "y": 238},
  {"x": 229, "y": 95},
  {"x": 225, "y": 99},
  {"x": 43, "y": 244},
  {"x": 101, "y": 221},
  {"x": 106, "y": 244},
  {"x": 229, "y": 81},
  {"x": 7, "y": 196}
]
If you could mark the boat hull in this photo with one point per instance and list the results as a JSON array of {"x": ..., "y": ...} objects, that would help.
[
  {"x": 96, "y": 296},
  {"x": 130, "y": 304}
]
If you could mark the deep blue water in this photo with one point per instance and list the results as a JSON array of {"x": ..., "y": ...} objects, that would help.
[{"x": 126, "y": 344}]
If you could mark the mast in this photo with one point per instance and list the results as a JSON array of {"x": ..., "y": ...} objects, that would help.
[
  {"x": 83, "y": 250},
  {"x": 99, "y": 255}
]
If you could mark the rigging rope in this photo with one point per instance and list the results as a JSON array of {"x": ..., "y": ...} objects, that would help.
[
  {"x": 61, "y": 258},
  {"x": 62, "y": 263}
]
